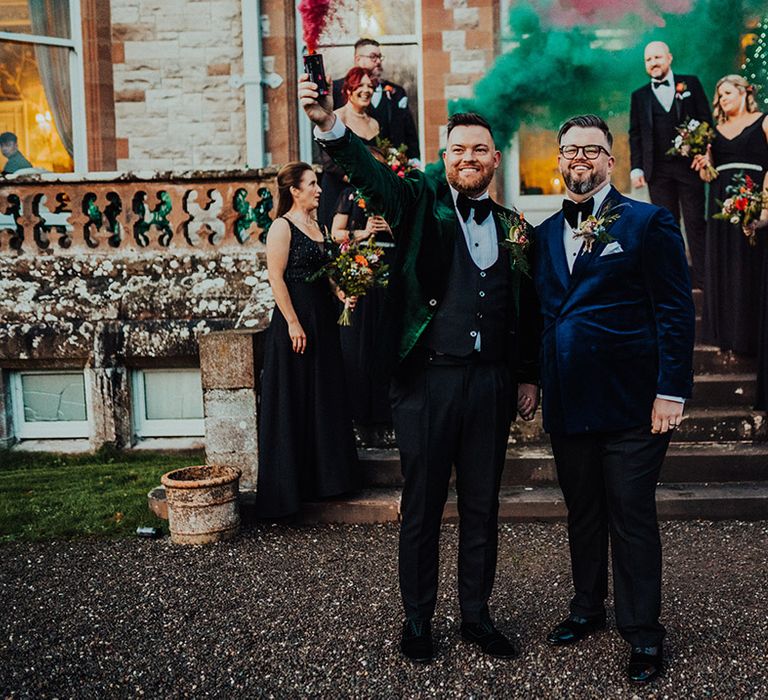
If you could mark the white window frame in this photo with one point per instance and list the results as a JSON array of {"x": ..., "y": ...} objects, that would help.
[
  {"x": 305, "y": 128},
  {"x": 76, "y": 78},
  {"x": 33, "y": 430},
  {"x": 252, "y": 82},
  {"x": 144, "y": 427}
]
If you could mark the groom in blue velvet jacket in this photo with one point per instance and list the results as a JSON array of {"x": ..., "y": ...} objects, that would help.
[{"x": 617, "y": 355}]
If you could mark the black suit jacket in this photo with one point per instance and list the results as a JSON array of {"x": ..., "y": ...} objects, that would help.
[
  {"x": 641, "y": 144},
  {"x": 395, "y": 122}
]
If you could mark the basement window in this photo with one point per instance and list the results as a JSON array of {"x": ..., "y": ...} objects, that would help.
[
  {"x": 167, "y": 403},
  {"x": 50, "y": 404}
]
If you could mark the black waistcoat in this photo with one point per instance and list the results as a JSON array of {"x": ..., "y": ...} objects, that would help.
[
  {"x": 664, "y": 131},
  {"x": 476, "y": 301}
]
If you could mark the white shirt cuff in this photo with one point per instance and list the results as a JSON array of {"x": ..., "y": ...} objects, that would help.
[
  {"x": 337, "y": 131},
  {"x": 634, "y": 173},
  {"x": 671, "y": 398}
]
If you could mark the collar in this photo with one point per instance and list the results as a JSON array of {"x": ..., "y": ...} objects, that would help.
[
  {"x": 599, "y": 196},
  {"x": 669, "y": 76},
  {"x": 455, "y": 195}
]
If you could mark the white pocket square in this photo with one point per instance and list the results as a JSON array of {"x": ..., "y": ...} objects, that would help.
[{"x": 612, "y": 249}]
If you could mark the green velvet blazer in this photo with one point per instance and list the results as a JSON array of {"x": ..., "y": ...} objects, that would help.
[{"x": 419, "y": 208}]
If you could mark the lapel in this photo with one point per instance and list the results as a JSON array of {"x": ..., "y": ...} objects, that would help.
[
  {"x": 447, "y": 221},
  {"x": 554, "y": 241},
  {"x": 584, "y": 259},
  {"x": 648, "y": 104}
]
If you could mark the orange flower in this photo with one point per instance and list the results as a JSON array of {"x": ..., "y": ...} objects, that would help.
[
  {"x": 389, "y": 88},
  {"x": 360, "y": 260},
  {"x": 361, "y": 203}
]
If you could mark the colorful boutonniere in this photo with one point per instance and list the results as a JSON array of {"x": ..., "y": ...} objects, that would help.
[
  {"x": 594, "y": 229},
  {"x": 388, "y": 89},
  {"x": 681, "y": 90},
  {"x": 517, "y": 239}
]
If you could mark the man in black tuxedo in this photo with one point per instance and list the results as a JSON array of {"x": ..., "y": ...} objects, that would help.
[
  {"x": 616, "y": 368},
  {"x": 656, "y": 109},
  {"x": 389, "y": 103},
  {"x": 462, "y": 334}
]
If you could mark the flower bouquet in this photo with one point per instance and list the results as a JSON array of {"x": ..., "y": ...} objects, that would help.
[
  {"x": 693, "y": 139},
  {"x": 517, "y": 240},
  {"x": 396, "y": 158},
  {"x": 355, "y": 267},
  {"x": 744, "y": 205}
]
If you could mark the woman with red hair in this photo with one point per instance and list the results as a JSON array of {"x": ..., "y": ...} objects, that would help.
[{"x": 357, "y": 90}]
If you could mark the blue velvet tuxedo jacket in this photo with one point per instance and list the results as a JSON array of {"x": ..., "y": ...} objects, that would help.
[{"x": 619, "y": 329}]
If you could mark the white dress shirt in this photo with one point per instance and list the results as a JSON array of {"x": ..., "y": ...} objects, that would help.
[{"x": 573, "y": 245}]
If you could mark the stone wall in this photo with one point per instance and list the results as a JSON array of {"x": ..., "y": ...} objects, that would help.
[
  {"x": 174, "y": 105},
  {"x": 84, "y": 288}
]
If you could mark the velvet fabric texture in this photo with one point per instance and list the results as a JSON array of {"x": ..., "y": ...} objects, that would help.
[{"x": 619, "y": 330}]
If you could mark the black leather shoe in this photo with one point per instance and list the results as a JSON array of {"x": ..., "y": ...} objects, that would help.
[
  {"x": 416, "y": 642},
  {"x": 489, "y": 639},
  {"x": 645, "y": 664},
  {"x": 574, "y": 628}
]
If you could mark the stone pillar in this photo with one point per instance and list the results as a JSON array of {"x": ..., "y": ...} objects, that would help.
[{"x": 230, "y": 363}]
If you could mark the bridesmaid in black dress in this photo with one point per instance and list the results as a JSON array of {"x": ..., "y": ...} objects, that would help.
[
  {"x": 357, "y": 90},
  {"x": 371, "y": 408},
  {"x": 733, "y": 289},
  {"x": 306, "y": 443}
]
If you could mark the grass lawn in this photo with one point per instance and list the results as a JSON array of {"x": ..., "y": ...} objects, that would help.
[{"x": 47, "y": 496}]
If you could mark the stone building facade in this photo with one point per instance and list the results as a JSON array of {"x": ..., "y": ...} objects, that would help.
[{"x": 109, "y": 276}]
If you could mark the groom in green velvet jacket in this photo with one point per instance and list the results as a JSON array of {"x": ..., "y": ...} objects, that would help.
[{"x": 463, "y": 325}]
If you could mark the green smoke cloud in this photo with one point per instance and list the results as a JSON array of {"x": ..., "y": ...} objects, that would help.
[{"x": 555, "y": 72}]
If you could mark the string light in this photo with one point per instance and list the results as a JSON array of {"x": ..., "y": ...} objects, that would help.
[{"x": 755, "y": 67}]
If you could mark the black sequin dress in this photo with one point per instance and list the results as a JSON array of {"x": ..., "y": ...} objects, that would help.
[{"x": 306, "y": 443}]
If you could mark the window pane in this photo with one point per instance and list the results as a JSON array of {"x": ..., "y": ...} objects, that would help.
[
  {"x": 36, "y": 105},
  {"x": 173, "y": 395},
  {"x": 53, "y": 397},
  {"x": 370, "y": 18},
  {"x": 41, "y": 17}
]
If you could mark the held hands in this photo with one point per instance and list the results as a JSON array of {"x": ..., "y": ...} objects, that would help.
[
  {"x": 349, "y": 302},
  {"x": 527, "y": 400},
  {"x": 752, "y": 226},
  {"x": 318, "y": 109},
  {"x": 375, "y": 225},
  {"x": 702, "y": 164},
  {"x": 298, "y": 337},
  {"x": 666, "y": 415}
]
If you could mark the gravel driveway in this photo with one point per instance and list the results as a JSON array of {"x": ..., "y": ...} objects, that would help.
[{"x": 315, "y": 612}]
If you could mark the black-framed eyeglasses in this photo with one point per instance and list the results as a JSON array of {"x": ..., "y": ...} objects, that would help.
[
  {"x": 372, "y": 56},
  {"x": 591, "y": 151}
]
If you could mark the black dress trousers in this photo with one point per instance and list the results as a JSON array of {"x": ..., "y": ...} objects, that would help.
[
  {"x": 678, "y": 188},
  {"x": 446, "y": 415},
  {"x": 609, "y": 483}
]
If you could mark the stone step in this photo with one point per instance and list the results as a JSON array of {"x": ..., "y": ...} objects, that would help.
[
  {"x": 698, "y": 301},
  {"x": 707, "y": 424},
  {"x": 675, "y": 501},
  {"x": 531, "y": 466},
  {"x": 708, "y": 359},
  {"x": 711, "y": 390}
]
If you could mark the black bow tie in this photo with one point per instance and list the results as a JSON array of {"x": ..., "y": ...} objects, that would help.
[
  {"x": 659, "y": 83},
  {"x": 571, "y": 210},
  {"x": 482, "y": 207}
]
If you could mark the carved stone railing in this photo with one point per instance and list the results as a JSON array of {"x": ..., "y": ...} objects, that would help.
[{"x": 105, "y": 212}]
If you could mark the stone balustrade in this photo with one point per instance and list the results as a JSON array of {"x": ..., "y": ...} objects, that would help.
[{"x": 111, "y": 212}]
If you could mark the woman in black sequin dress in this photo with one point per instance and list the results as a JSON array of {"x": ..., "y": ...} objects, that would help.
[{"x": 306, "y": 444}]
